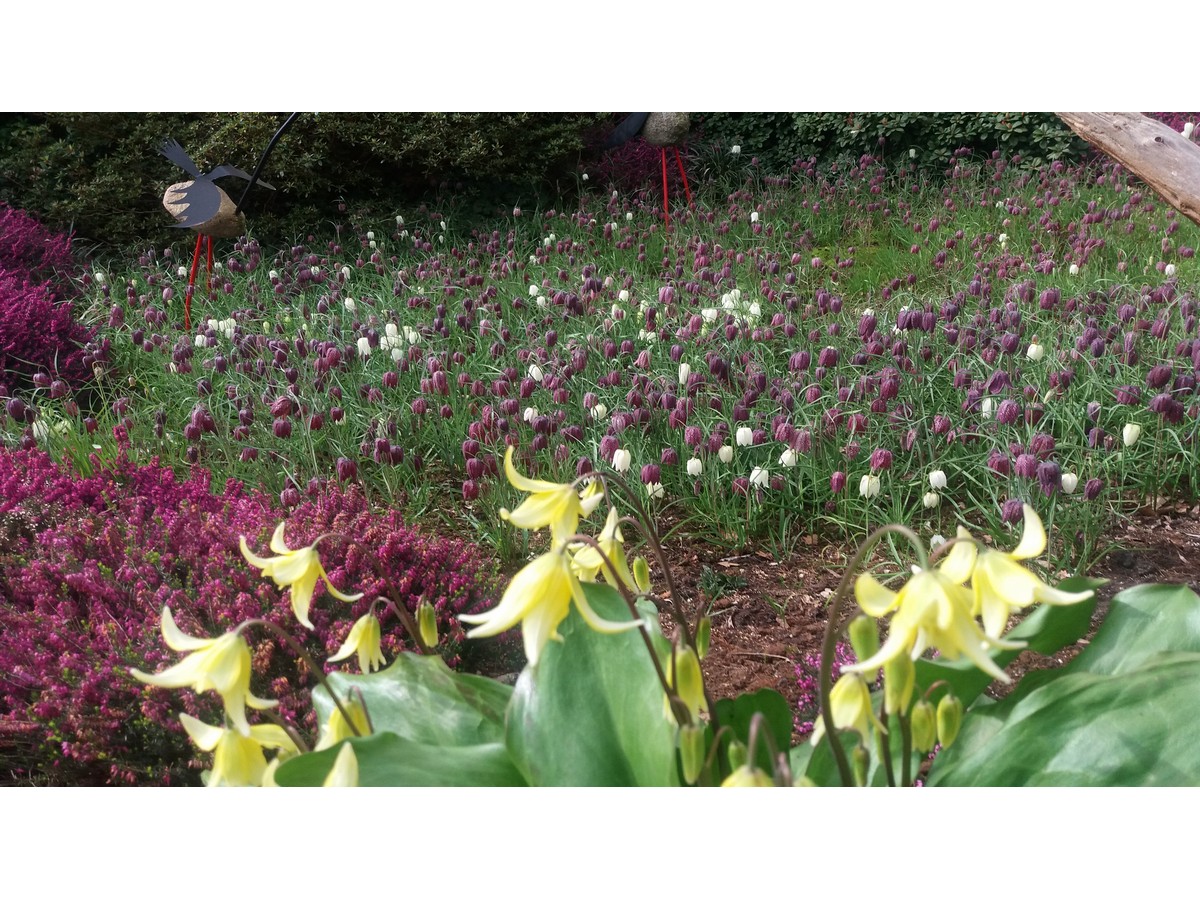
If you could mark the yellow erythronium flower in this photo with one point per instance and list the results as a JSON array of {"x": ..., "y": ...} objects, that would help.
[
  {"x": 345, "y": 769},
  {"x": 298, "y": 569},
  {"x": 218, "y": 664},
  {"x": 363, "y": 639},
  {"x": 850, "y": 704},
  {"x": 337, "y": 729},
  {"x": 539, "y": 597},
  {"x": 933, "y": 609},
  {"x": 588, "y": 563},
  {"x": 238, "y": 761},
  {"x": 558, "y": 506},
  {"x": 1002, "y": 585}
]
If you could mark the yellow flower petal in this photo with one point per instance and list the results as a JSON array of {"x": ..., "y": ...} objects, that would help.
[
  {"x": 345, "y": 769},
  {"x": 874, "y": 599},
  {"x": 1033, "y": 538}
]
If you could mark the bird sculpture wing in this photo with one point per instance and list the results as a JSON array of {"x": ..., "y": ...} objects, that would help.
[
  {"x": 176, "y": 154},
  {"x": 629, "y": 128},
  {"x": 222, "y": 171},
  {"x": 203, "y": 199}
]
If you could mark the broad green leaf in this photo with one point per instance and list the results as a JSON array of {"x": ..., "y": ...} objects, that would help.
[
  {"x": 738, "y": 712},
  {"x": 1140, "y": 727},
  {"x": 387, "y": 760},
  {"x": 420, "y": 698},
  {"x": 1046, "y": 630},
  {"x": 1143, "y": 621},
  {"x": 591, "y": 711}
]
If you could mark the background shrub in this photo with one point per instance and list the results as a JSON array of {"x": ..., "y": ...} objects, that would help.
[
  {"x": 102, "y": 172},
  {"x": 88, "y": 563},
  {"x": 779, "y": 139}
]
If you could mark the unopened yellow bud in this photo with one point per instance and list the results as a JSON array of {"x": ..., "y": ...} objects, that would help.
[
  {"x": 703, "y": 636},
  {"x": 691, "y": 751},
  {"x": 899, "y": 679},
  {"x": 949, "y": 719},
  {"x": 641, "y": 574},
  {"x": 683, "y": 674},
  {"x": 427, "y": 623},
  {"x": 924, "y": 726},
  {"x": 748, "y": 776},
  {"x": 736, "y": 754},
  {"x": 864, "y": 637}
]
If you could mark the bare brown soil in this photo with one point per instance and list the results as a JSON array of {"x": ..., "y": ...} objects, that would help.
[{"x": 768, "y": 614}]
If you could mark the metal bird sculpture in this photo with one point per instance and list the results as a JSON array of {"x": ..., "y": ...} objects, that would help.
[
  {"x": 200, "y": 204},
  {"x": 661, "y": 130}
]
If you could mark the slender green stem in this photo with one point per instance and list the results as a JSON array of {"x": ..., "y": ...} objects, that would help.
[
  {"x": 310, "y": 663},
  {"x": 833, "y": 627},
  {"x": 884, "y": 739},
  {"x": 906, "y": 749}
]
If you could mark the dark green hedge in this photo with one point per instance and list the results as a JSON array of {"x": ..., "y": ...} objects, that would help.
[
  {"x": 101, "y": 173},
  {"x": 778, "y": 139}
]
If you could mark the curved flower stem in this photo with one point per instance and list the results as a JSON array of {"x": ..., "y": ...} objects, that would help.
[
  {"x": 631, "y": 602},
  {"x": 905, "y": 749},
  {"x": 291, "y": 732},
  {"x": 641, "y": 521},
  {"x": 884, "y": 739},
  {"x": 832, "y": 628},
  {"x": 781, "y": 771},
  {"x": 651, "y": 536},
  {"x": 308, "y": 661},
  {"x": 401, "y": 611}
]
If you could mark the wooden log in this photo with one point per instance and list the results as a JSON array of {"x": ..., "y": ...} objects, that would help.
[{"x": 1154, "y": 152}]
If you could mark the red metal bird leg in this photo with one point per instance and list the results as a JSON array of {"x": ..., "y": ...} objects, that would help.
[
  {"x": 191, "y": 285},
  {"x": 666, "y": 202},
  {"x": 679, "y": 162},
  {"x": 208, "y": 273}
]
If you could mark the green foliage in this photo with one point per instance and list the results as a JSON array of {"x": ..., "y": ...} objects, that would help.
[
  {"x": 591, "y": 713},
  {"x": 779, "y": 139},
  {"x": 101, "y": 173},
  {"x": 1123, "y": 712}
]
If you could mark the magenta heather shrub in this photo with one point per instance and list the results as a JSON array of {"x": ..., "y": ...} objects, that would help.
[
  {"x": 808, "y": 705},
  {"x": 28, "y": 246},
  {"x": 87, "y": 564},
  {"x": 38, "y": 333},
  {"x": 1175, "y": 120},
  {"x": 38, "y": 329}
]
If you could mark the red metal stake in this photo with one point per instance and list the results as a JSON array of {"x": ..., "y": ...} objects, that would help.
[
  {"x": 679, "y": 162},
  {"x": 666, "y": 202},
  {"x": 191, "y": 285},
  {"x": 208, "y": 286}
]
